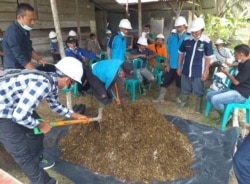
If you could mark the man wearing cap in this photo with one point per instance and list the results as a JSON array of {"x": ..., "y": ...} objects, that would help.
[
  {"x": 118, "y": 42},
  {"x": 145, "y": 54},
  {"x": 195, "y": 53},
  {"x": 54, "y": 47},
  {"x": 17, "y": 46},
  {"x": 174, "y": 42},
  {"x": 106, "y": 80},
  {"x": 159, "y": 48},
  {"x": 105, "y": 40},
  {"x": 73, "y": 34},
  {"x": 17, "y": 120},
  {"x": 73, "y": 51}
]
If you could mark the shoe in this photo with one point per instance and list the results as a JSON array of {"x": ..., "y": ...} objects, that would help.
[
  {"x": 178, "y": 100},
  {"x": 46, "y": 164},
  {"x": 143, "y": 93}
]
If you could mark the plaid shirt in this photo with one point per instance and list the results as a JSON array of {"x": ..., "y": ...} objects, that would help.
[{"x": 21, "y": 94}]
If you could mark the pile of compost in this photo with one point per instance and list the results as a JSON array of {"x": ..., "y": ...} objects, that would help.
[{"x": 132, "y": 143}]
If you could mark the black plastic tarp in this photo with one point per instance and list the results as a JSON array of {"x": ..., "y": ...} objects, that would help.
[{"x": 213, "y": 152}]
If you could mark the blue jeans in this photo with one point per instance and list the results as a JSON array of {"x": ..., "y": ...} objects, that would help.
[
  {"x": 223, "y": 97},
  {"x": 241, "y": 162}
]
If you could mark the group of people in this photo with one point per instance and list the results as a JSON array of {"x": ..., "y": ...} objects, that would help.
[
  {"x": 188, "y": 61},
  {"x": 22, "y": 93}
]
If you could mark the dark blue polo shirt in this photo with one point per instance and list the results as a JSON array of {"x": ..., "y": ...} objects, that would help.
[
  {"x": 195, "y": 53},
  {"x": 17, "y": 46}
]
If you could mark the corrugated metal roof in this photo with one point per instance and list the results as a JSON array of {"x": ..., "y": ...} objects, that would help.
[{"x": 113, "y": 6}]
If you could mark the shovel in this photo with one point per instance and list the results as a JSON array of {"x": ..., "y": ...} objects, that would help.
[{"x": 72, "y": 122}]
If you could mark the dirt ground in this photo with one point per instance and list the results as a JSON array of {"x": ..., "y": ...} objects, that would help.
[{"x": 168, "y": 107}]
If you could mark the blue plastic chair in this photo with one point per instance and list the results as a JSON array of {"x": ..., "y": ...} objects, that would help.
[
  {"x": 73, "y": 88},
  {"x": 103, "y": 55},
  {"x": 229, "y": 109},
  {"x": 208, "y": 105},
  {"x": 158, "y": 70},
  {"x": 131, "y": 84},
  {"x": 93, "y": 60}
]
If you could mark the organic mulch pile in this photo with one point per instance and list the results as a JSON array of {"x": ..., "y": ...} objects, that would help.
[{"x": 132, "y": 143}]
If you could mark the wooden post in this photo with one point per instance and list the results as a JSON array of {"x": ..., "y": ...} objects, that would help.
[
  {"x": 78, "y": 23},
  {"x": 127, "y": 15},
  {"x": 139, "y": 18},
  {"x": 60, "y": 42}
]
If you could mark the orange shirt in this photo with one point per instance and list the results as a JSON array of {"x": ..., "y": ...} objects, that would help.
[{"x": 161, "y": 51}]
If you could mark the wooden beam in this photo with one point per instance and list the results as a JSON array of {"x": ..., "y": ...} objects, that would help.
[{"x": 139, "y": 18}]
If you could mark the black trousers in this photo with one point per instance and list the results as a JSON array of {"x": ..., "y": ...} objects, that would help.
[
  {"x": 169, "y": 78},
  {"x": 26, "y": 149},
  {"x": 102, "y": 94}
]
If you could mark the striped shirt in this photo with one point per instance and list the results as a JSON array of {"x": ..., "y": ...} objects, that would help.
[{"x": 20, "y": 95}]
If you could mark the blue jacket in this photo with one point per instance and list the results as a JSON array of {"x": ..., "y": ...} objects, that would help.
[
  {"x": 118, "y": 46},
  {"x": 79, "y": 53},
  {"x": 173, "y": 45},
  {"x": 107, "y": 70}
]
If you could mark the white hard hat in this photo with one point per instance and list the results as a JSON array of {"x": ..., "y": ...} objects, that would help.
[
  {"x": 160, "y": 36},
  {"x": 52, "y": 34},
  {"x": 72, "y": 33},
  {"x": 219, "y": 41},
  {"x": 143, "y": 41},
  {"x": 108, "y": 32},
  {"x": 197, "y": 24},
  {"x": 180, "y": 21},
  {"x": 71, "y": 67},
  {"x": 124, "y": 23},
  {"x": 173, "y": 31}
]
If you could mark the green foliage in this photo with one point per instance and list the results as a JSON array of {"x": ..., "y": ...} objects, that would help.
[{"x": 224, "y": 27}]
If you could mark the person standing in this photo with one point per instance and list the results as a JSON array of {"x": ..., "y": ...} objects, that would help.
[
  {"x": 174, "y": 42},
  {"x": 118, "y": 42},
  {"x": 18, "y": 51},
  {"x": 106, "y": 39},
  {"x": 147, "y": 34},
  {"x": 28, "y": 89},
  {"x": 17, "y": 46},
  {"x": 195, "y": 53},
  {"x": 93, "y": 45}
]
